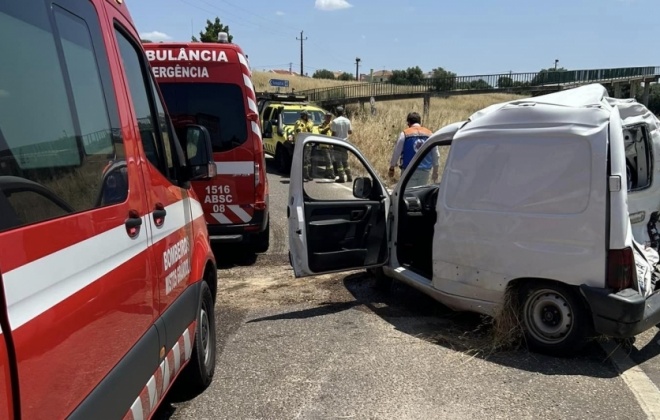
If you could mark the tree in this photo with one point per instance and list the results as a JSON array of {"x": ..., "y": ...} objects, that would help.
[
  {"x": 346, "y": 76},
  {"x": 550, "y": 76},
  {"x": 399, "y": 77},
  {"x": 212, "y": 30},
  {"x": 443, "y": 80},
  {"x": 415, "y": 75},
  {"x": 323, "y": 74},
  {"x": 505, "y": 82}
]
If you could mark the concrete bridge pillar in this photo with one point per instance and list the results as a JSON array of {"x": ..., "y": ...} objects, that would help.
[
  {"x": 647, "y": 93},
  {"x": 633, "y": 88},
  {"x": 617, "y": 90},
  {"x": 427, "y": 106}
]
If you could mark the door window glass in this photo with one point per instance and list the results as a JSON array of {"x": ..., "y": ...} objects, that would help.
[{"x": 330, "y": 172}]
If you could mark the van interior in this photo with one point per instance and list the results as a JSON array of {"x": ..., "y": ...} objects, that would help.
[{"x": 639, "y": 156}]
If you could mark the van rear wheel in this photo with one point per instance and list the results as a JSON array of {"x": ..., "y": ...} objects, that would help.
[
  {"x": 554, "y": 319},
  {"x": 262, "y": 240}
]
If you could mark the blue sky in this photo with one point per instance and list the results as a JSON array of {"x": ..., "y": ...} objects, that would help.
[{"x": 469, "y": 37}]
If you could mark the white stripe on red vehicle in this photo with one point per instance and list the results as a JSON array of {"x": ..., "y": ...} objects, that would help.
[
  {"x": 73, "y": 268},
  {"x": 235, "y": 168},
  {"x": 242, "y": 214},
  {"x": 256, "y": 129},
  {"x": 252, "y": 105},
  {"x": 248, "y": 82},
  {"x": 234, "y": 215},
  {"x": 158, "y": 384},
  {"x": 250, "y": 96}
]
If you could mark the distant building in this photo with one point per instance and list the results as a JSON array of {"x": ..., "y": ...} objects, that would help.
[
  {"x": 381, "y": 76},
  {"x": 287, "y": 72}
]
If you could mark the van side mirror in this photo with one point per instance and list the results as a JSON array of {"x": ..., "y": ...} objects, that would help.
[
  {"x": 199, "y": 152},
  {"x": 268, "y": 130},
  {"x": 280, "y": 125},
  {"x": 362, "y": 187}
]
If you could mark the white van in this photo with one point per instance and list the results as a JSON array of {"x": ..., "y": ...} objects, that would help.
[{"x": 551, "y": 198}]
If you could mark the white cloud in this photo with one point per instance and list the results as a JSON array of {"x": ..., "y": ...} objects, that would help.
[
  {"x": 329, "y": 5},
  {"x": 155, "y": 36},
  {"x": 279, "y": 13}
]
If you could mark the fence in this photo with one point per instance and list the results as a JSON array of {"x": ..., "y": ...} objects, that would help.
[{"x": 502, "y": 81}]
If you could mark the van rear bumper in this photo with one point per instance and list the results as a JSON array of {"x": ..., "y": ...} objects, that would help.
[
  {"x": 623, "y": 314},
  {"x": 239, "y": 233}
]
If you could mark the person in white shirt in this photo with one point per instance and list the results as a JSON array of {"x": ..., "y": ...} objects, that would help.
[{"x": 341, "y": 128}]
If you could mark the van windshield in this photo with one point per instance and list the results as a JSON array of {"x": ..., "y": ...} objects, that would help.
[{"x": 217, "y": 106}]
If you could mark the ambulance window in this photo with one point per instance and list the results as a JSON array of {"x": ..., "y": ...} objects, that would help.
[
  {"x": 136, "y": 74},
  {"x": 56, "y": 113},
  {"x": 219, "y": 107}
]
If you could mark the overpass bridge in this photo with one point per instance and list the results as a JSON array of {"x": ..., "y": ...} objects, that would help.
[{"x": 532, "y": 83}]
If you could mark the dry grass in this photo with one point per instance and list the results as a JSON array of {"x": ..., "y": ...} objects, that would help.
[
  {"x": 260, "y": 81},
  {"x": 375, "y": 136}
]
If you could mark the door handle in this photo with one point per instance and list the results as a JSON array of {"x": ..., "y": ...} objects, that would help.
[
  {"x": 356, "y": 214},
  {"x": 133, "y": 223},
  {"x": 159, "y": 215}
]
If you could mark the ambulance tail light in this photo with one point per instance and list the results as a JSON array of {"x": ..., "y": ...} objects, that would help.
[
  {"x": 257, "y": 175},
  {"x": 223, "y": 38},
  {"x": 621, "y": 270}
]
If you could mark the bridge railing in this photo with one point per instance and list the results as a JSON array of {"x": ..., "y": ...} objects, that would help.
[{"x": 481, "y": 82}]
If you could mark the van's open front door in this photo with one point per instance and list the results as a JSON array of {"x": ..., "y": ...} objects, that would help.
[{"x": 335, "y": 226}]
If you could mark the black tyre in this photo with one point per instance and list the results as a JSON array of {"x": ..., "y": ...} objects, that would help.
[
  {"x": 198, "y": 374},
  {"x": 555, "y": 319},
  {"x": 261, "y": 241}
]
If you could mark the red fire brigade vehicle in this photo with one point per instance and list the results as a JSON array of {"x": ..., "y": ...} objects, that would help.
[
  {"x": 107, "y": 279},
  {"x": 210, "y": 84}
]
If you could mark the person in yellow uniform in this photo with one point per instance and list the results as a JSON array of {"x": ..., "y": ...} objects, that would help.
[
  {"x": 326, "y": 149},
  {"x": 304, "y": 125}
]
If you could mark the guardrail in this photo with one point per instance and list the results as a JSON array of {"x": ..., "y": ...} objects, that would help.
[{"x": 501, "y": 81}]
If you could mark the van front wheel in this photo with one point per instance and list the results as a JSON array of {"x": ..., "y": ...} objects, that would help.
[
  {"x": 198, "y": 374},
  {"x": 555, "y": 321}
]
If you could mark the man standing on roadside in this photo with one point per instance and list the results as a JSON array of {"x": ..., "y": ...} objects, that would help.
[
  {"x": 407, "y": 145},
  {"x": 341, "y": 128}
]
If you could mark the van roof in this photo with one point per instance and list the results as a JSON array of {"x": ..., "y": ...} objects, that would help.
[{"x": 588, "y": 105}]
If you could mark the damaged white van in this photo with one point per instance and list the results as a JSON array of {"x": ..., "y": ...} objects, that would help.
[{"x": 552, "y": 199}]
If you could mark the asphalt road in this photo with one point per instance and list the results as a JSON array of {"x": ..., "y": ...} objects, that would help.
[{"x": 335, "y": 347}]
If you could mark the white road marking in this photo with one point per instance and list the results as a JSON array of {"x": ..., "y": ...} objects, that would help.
[{"x": 645, "y": 391}]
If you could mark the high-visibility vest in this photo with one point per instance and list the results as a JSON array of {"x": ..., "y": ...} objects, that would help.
[{"x": 414, "y": 138}]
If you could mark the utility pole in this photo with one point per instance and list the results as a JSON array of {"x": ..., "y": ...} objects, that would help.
[
  {"x": 556, "y": 61},
  {"x": 357, "y": 69},
  {"x": 302, "y": 73},
  {"x": 290, "y": 68}
]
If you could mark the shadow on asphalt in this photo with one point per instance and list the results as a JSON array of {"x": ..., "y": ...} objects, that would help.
[
  {"x": 233, "y": 255},
  {"x": 418, "y": 315}
]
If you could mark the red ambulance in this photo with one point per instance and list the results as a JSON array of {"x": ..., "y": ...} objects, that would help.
[
  {"x": 107, "y": 278},
  {"x": 210, "y": 84}
]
